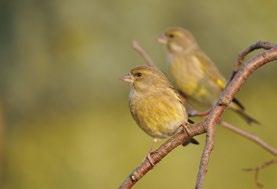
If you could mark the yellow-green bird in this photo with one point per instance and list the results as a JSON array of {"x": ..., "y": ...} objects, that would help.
[
  {"x": 155, "y": 106},
  {"x": 194, "y": 72}
]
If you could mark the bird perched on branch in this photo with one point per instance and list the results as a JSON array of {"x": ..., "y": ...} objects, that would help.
[
  {"x": 194, "y": 72},
  {"x": 154, "y": 104}
]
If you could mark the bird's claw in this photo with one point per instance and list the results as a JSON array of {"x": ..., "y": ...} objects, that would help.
[
  {"x": 150, "y": 159},
  {"x": 224, "y": 102}
]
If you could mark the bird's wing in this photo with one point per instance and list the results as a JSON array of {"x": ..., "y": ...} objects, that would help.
[
  {"x": 214, "y": 75},
  {"x": 210, "y": 70},
  {"x": 180, "y": 95}
]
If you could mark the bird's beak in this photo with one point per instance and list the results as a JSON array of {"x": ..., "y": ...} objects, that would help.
[
  {"x": 127, "y": 78},
  {"x": 162, "y": 39}
]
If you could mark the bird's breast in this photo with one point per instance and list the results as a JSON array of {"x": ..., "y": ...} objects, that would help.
[{"x": 158, "y": 115}]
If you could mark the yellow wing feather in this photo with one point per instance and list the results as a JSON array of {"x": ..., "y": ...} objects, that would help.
[{"x": 210, "y": 70}]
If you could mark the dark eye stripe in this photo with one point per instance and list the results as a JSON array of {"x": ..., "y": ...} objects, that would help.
[{"x": 138, "y": 74}]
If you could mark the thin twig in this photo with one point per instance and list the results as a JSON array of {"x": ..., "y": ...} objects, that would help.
[
  {"x": 258, "y": 141},
  {"x": 250, "y": 137},
  {"x": 205, "y": 157},
  {"x": 240, "y": 132},
  {"x": 148, "y": 60},
  {"x": 209, "y": 122},
  {"x": 255, "y": 46},
  {"x": 258, "y": 169},
  {"x": 244, "y": 134}
]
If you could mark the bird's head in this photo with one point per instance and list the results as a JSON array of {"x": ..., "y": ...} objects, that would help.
[
  {"x": 177, "y": 40},
  {"x": 146, "y": 78}
]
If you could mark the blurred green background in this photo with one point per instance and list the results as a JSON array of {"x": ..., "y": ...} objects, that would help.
[{"x": 65, "y": 121}]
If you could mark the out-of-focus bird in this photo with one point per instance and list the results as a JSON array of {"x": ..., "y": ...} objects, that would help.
[
  {"x": 194, "y": 72},
  {"x": 154, "y": 104}
]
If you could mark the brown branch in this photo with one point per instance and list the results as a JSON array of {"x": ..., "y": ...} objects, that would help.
[
  {"x": 156, "y": 156},
  {"x": 258, "y": 169},
  {"x": 148, "y": 60},
  {"x": 210, "y": 139},
  {"x": 208, "y": 124},
  {"x": 250, "y": 137},
  {"x": 255, "y": 46},
  {"x": 225, "y": 99}
]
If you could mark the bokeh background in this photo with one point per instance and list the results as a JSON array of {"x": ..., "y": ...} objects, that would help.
[{"x": 64, "y": 119}]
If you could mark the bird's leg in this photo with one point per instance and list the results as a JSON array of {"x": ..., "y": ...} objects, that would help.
[
  {"x": 225, "y": 101},
  {"x": 186, "y": 129},
  {"x": 194, "y": 113},
  {"x": 149, "y": 158}
]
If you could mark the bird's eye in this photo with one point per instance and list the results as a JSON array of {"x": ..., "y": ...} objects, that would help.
[
  {"x": 138, "y": 74},
  {"x": 171, "y": 35}
]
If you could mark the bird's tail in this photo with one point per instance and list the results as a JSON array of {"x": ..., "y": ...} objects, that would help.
[
  {"x": 192, "y": 141},
  {"x": 237, "y": 107}
]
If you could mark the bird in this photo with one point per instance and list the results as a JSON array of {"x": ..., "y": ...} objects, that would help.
[
  {"x": 155, "y": 105},
  {"x": 194, "y": 72}
]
